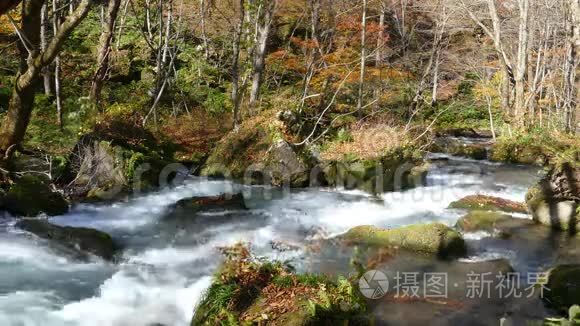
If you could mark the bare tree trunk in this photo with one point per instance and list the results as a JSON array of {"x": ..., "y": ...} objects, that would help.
[
  {"x": 571, "y": 78},
  {"x": 435, "y": 78},
  {"x": 104, "y": 49},
  {"x": 46, "y": 75},
  {"x": 20, "y": 108},
  {"x": 381, "y": 37},
  {"x": 236, "y": 64},
  {"x": 263, "y": 32},
  {"x": 57, "y": 89},
  {"x": 522, "y": 63},
  {"x": 363, "y": 60},
  {"x": 202, "y": 9}
]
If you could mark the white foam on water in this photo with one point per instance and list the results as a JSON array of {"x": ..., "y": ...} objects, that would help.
[
  {"x": 29, "y": 308},
  {"x": 490, "y": 255},
  {"x": 479, "y": 235},
  {"x": 143, "y": 210},
  {"x": 139, "y": 298}
]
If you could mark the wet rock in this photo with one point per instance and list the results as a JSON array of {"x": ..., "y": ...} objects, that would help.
[
  {"x": 432, "y": 239},
  {"x": 31, "y": 196},
  {"x": 112, "y": 160},
  {"x": 459, "y": 147},
  {"x": 284, "y": 160},
  {"x": 555, "y": 200},
  {"x": 481, "y": 221},
  {"x": 222, "y": 202},
  {"x": 258, "y": 154},
  {"x": 84, "y": 241},
  {"x": 465, "y": 132},
  {"x": 496, "y": 223},
  {"x": 395, "y": 170},
  {"x": 564, "y": 285},
  {"x": 489, "y": 203}
]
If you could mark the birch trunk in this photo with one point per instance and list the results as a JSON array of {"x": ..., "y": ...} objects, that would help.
[
  {"x": 104, "y": 49},
  {"x": 363, "y": 59},
  {"x": 522, "y": 63}
]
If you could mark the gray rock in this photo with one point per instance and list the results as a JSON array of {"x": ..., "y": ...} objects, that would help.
[
  {"x": 83, "y": 241},
  {"x": 30, "y": 196}
]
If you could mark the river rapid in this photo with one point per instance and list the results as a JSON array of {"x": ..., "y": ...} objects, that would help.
[{"x": 166, "y": 266}]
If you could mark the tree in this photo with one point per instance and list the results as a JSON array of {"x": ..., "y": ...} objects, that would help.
[
  {"x": 265, "y": 18},
  {"x": 236, "y": 88},
  {"x": 571, "y": 78},
  {"x": 104, "y": 49},
  {"x": 363, "y": 59},
  {"x": 33, "y": 61}
]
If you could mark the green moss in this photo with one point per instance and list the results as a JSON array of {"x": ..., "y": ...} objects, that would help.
[
  {"x": 432, "y": 239},
  {"x": 31, "y": 196},
  {"x": 489, "y": 203},
  {"x": 249, "y": 292},
  {"x": 481, "y": 221},
  {"x": 373, "y": 175}
]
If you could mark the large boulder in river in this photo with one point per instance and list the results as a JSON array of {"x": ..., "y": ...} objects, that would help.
[
  {"x": 461, "y": 147},
  {"x": 112, "y": 159},
  {"x": 497, "y": 223},
  {"x": 432, "y": 239},
  {"x": 564, "y": 287},
  {"x": 31, "y": 196},
  {"x": 555, "y": 200},
  {"x": 222, "y": 202},
  {"x": 257, "y": 153},
  {"x": 397, "y": 169},
  {"x": 83, "y": 241},
  {"x": 489, "y": 203}
]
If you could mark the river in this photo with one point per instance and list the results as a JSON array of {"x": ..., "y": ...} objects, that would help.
[{"x": 166, "y": 265}]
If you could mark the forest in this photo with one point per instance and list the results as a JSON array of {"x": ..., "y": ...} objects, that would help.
[{"x": 291, "y": 147}]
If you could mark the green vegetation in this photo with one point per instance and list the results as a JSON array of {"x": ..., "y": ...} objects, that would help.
[
  {"x": 489, "y": 203},
  {"x": 430, "y": 239},
  {"x": 32, "y": 195},
  {"x": 481, "y": 221},
  {"x": 250, "y": 292}
]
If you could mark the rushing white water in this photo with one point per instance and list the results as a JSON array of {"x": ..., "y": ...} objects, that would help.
[{"x": 166, "y": 268}]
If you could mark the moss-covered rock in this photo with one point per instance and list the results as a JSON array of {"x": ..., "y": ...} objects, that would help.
[
  {"x": 555, "y": 201},
  {"x": 489, "y": 203},
  {"x": 481, "y": 221},
  {"x": 432, "y": 239},
  {"x": 249, "y": 292},
  {"x": 104, "y": 168},
  {"x": 257, "y": 153},
  {"x": 458, "y": 147},
  {"x": 514, "y": 150},
  {"x": 31, "y": 195},
  {"x": 391, "y": 171},
  {"x": 82, "y": 241},
  {"x": 564, "y": 287}
]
